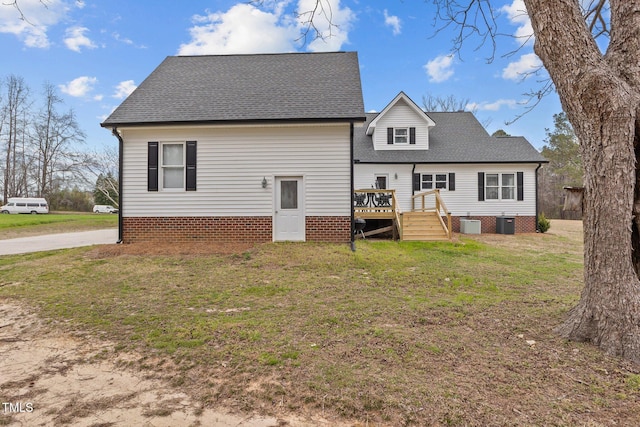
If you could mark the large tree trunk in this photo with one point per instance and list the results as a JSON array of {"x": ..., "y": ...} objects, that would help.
[{"x": 600, "y": 94}]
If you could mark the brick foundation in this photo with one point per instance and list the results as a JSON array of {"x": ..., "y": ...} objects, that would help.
[
  {"x": 336, "y": 229},
  {"x": 524, "y": 224},
  {"x": 227, "y": 229}
]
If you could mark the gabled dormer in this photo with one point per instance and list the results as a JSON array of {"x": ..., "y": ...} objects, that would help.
[{"x": 402, "y": 125}]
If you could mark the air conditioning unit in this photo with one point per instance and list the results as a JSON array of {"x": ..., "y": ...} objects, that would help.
[{"x": 470, "y": 226}]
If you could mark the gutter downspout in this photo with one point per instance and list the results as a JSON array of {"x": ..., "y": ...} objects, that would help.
[
  {"x": 115, "y": 133},
  {"x": 537, "y": 212},
  {"x": 413, "y": 171},
  {"x": 353, "y": 219}
]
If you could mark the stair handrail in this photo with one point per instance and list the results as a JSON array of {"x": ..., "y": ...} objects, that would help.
[
  {"x": 396, "y": 213},
  {"x": 440, "y": 206}
]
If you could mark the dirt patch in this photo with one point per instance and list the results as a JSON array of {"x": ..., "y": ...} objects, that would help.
[
  {"x": 51, "y": 379},
  {"x": 569, "y": 231}
]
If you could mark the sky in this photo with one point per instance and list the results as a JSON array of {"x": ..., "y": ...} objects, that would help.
[{"x": 96, "y": 52}]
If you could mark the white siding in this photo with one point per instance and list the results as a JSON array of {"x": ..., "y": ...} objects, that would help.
[
  {"x": 364, "y": 177},
  {"x": 401, "y": 115},
  {"x": 464, "y": 200},
  {"x": 231, "y": 163}
]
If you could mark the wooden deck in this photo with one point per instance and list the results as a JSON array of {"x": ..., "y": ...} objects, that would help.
[{"x": 424, "y": 221}]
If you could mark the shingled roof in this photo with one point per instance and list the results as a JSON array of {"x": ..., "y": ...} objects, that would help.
[
  {"x": 457, "y": 137},
  {"x": 246, "y": 88}
]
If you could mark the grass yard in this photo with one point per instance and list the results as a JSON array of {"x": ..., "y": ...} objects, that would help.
[
  {"x": 394, "y": 334},
  {"x": 12, "y": 226}
]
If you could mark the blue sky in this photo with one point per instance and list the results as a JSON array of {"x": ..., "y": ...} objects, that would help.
[{"x": 97, "y": 52}]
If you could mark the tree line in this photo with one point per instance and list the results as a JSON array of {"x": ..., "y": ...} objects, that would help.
[{"x": 43, "y": 152}]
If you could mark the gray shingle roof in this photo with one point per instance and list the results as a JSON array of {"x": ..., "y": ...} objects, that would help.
[
  {"x": 457, "y": 137},
  {"x": 262, "y": 87}
]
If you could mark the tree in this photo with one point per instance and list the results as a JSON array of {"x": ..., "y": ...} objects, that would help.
[
  {"x": 448, "y": 104},
  {"x": 499, "y": 133},
  {"x": 600, "y": 93},
  {"x": 564, "y": 168},
  {"x": 106, "y": 190},
  {"x": 55, "y": 134},
  {"x": 14, "y": 114},
  {"x": 601, "y": 96},
  {"x": 100, "y": 170},
  {"x": 439, "y": 103}
]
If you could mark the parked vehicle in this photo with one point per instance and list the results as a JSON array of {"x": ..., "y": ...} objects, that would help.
[
  {"x": 104, "y": 209},
  {"x": 25, "y": 205}
]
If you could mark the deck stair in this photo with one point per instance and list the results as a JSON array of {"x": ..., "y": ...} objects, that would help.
[
  {"x": 428, "y": 220},
  {"x": 423, "y": 226}
]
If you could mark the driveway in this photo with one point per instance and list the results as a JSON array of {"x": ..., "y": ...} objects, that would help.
[{"x": 49, "y": 242}]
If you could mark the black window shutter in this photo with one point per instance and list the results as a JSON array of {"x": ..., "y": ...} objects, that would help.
[
  {"x": 520, "y": 185},
  {"x": 416, "y": 182},
  {"x": 389, "y": 135},
  {"x": 412, "y": 135},
  {"x": 152, "y": 167},
  {"x": 452, "y": 182},
  {"x": 480, "y": 186},
  {"x": 191, "y": 165}
]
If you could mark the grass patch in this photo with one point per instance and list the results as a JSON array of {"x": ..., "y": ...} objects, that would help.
[
  {"x": 28, "y": 225},
  {"x": 394, "y": 333}
]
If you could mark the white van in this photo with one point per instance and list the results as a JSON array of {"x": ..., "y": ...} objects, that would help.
[
  {"x": 104, "y": 209},
  {"x": 25, "y": 205}
]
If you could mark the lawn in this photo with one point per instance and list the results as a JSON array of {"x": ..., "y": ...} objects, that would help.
[
  {"x": 30, "y": 225},
  {"x": 392, "y": 334}
]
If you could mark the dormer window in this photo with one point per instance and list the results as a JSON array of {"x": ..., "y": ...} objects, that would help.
[{"x": 401, "y": 135}]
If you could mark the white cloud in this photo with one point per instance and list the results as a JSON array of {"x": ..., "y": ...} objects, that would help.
[
  {"x": 440, "y": 68},
  {"x": 393, "y": 22},
  {"x": 31, "y": 22},
  {"x": 76, "y": 39},
  {"x": 523, "y": 68},
  {"x": 331, "y": 22},
  {"x": 124, "y": 89},
  {"x": 242, "y": 29},
  {"x": 245, "y": 28},
  {"x": 517, "y": 15},
  {"x": 79, "y": 87},
  {"x": 492, "y": 106}
]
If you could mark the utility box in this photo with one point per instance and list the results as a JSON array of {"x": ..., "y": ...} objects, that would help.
[
  {"x": 505, "y": 225},
  {"x": 470, "y": 226}
]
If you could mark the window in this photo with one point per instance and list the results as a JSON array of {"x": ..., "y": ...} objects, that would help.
[
  {"x": 492, "y": 186},
  {"x": 508, "y": 186},
  {"x": 427, "y": 181},
  {"x": 440, "y": 181},
  {"x": 381, "y": 182},
  {"x": 289, "y": 195},
  {"x": 172, "y": 166},
  {"x": 400, "y": 135},
  {"x": 500, "y": 186}
]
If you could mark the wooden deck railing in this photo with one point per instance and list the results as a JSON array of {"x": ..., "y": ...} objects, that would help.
[
  {"x": 438, "y": 206},
  {"x": 378, "y": 204},
  {"x": 374, "y": 203}
]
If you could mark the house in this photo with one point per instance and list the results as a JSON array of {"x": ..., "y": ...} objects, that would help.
[
  {"x": 240, "y": 148},
  {"x": 477, "y": 176},
  {"x": 277, "y": 147}
]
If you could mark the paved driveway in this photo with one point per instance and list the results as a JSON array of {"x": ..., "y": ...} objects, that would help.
[{"x": 23, "y": 245}]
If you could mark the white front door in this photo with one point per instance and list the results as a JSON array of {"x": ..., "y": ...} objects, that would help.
[{"x": 288, "y": 216}]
